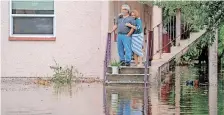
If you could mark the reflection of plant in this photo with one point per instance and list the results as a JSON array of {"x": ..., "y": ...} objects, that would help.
[
  {"x": 220, "y": 96},
  {"x": 68, "y": 89}
]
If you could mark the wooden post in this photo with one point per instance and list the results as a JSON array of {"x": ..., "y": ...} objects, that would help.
[{"x": 213, "y": 75}]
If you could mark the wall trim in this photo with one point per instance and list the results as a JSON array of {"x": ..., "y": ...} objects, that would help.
[{"x": 32, "y": 38}]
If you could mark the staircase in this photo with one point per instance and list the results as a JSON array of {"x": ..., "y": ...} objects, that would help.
[
  {"x": 140, "y": 75},
  {"x": 126, "y": 75},
  {"x": 136, "y": 75},
  {"x": 178, "y": 50}
]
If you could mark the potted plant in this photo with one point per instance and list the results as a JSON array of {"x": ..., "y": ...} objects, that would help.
[{"x": 115, "y": 67}]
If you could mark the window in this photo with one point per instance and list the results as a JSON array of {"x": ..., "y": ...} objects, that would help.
[{"x": 32, "y": 18}]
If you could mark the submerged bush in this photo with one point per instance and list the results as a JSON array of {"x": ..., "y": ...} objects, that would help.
[
  {"x": 62, "y": 75},
  {"x": 65, "y": 74}
]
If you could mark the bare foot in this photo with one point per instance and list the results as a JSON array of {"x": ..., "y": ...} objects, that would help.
[{"x": 140, "y": 65}]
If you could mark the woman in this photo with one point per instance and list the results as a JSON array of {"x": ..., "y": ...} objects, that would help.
[{"x": 137, "y": 38}]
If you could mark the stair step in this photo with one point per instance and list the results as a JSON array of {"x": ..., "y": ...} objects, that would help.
[
  {"x": 111, "y": 86},
  {"x": 126, "y": 78},
  {"x": 141, "y": 83},
  {"x": 129, "y": 70}
]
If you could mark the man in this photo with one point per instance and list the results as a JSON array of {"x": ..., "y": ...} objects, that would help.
[{"x": 124, "y": 35}]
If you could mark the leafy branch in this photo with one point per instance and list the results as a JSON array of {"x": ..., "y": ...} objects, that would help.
[{"x": 198, "y": 14}]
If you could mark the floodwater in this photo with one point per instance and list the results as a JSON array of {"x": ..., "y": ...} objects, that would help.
[{"x": 172, "y": 97}]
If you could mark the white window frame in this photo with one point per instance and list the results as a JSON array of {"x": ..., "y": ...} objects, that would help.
[{"x": 32, "y": 15}]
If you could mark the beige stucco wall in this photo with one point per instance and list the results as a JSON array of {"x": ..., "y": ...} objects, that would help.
[
  {"x": 81, "y": 29},
  {"x": 157, "y": 41}
]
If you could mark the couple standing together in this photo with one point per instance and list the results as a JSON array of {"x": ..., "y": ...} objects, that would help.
[{"x": 130, "y": 36}]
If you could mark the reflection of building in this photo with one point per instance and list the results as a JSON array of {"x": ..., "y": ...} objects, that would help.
[
  {"x": 124, "y": 101},
  {"x": 124, "y": 107},
  {"x": 136, "y": 106},
  {"x": 166, "y": 87},
  {"x": 165, "y": 90},
  {"x": 114, "y": 104}
]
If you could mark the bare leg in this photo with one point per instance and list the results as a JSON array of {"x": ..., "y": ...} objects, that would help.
[
  {"x": 140, "y": 60},
  {"x": 136, "y": 59}
]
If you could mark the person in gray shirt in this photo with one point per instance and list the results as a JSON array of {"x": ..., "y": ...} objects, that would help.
[{"x": 124, "y": 35}]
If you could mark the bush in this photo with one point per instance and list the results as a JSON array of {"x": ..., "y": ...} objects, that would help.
[{"x": 63, "y": 75}]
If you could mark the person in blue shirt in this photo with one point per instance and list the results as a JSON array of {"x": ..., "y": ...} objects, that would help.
[
  {"x": 124, "y": 35},
  {"x": 137, "y": 38}
]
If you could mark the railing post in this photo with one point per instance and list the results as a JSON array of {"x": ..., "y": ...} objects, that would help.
[
  {"x": 148, "y": 54},
  {"x": 109, "y": 47},
  {"x": 178, "y": 27},
  {"x": 150, "y": 46},
  {"x": 160, "y": 32}
]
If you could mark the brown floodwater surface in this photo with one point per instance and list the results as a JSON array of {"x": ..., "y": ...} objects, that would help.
[
  {"x": 31, "y": 99},
  {"x": 175, "y": 96}
]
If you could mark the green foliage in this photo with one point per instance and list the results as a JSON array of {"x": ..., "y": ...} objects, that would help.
[
  {"x": 198, "y": 14},
  {"x": 64, "y": 75},
  {"x": 115, "y": 63},
  {"x": 189, "y": 11},
  {"x": 221, "y": 40}
]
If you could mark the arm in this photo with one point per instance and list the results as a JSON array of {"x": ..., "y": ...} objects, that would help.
[
  {"x": 137, "y": 26},
  {"x": 114, "y": 28},
  {"x": 132, "y": 29},
  {"x": 115, "y": 25},
  {"x": 131, "y": 32},
  {"x": 131, "y": 26}
]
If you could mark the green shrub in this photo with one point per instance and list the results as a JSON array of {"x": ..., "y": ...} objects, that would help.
[{"x": 62, "y": 75}]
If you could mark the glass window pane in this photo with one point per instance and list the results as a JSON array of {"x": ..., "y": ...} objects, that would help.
[
  {"x": 33, "y": 7},
  {"x": 32, "y": 25}
]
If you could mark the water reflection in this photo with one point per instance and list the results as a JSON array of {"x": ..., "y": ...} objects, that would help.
[
  {"x": 31, "y": 99},
  {"x": 125, "y": 103},
  {"x": 172, "y": 97}
]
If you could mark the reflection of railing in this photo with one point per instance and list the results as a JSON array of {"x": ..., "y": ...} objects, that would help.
[{"x": 107, "y": 55}]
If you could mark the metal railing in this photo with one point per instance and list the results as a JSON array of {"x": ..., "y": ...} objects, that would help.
[
  {"x": 164, "y": 28},
  {"x": 107, "y": 58},
  {"x": 167, "y": 28}
]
